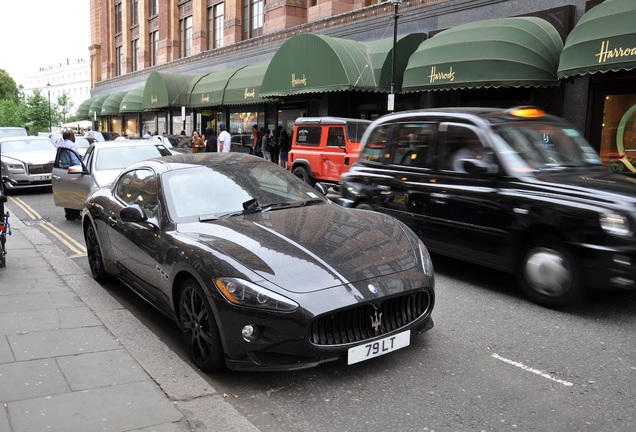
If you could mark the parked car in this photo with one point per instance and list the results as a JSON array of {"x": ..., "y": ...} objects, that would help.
[
  {"x": 26, "y": 162},
  {"x": 242, "y": 140},
  {"x": 8, "y": 131},
  {"x": 516, "y": 190},
  {"x": 323, "y": 148},
  {"x": 102, "y": 135},
  {"x": 256, "y": 267},
  {"x": 101, "y": 164},
  {"x": 83, "y": 143}
]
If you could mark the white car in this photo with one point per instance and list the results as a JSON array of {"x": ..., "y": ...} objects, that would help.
[
  {"x": 26, "y": 162},
  {"x": 102, "y": 163}
]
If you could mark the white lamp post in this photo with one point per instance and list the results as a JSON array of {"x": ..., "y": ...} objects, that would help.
[{"x": 391, "y": 101}]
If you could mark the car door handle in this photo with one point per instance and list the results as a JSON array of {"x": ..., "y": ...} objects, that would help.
[
  {"x": 112, "y": 221},
  {"x": 439, "y": 195},
  {"x": 55, "y": 177}
]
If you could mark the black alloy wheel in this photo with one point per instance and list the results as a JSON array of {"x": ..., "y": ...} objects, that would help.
[
  {"x": 549, "y": 273},
  {"x": 94, "y": 254},
  {"x": 199, "y": 329},
  {"x": 302, "y": 174}
]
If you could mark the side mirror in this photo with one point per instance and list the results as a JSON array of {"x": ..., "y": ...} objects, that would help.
[
  {"x": 132, "y": 213},
  {"x": 479, "y": 166},
  {"x": 76, "y": 169}
]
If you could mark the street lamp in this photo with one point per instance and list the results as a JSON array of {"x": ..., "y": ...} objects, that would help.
[
  {"x": 391, "y": 101},
  {"x": 48, "y": 89}
]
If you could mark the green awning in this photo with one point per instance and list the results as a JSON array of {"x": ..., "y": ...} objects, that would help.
[
  {"x": 382, "y": 57},
  {"x": 96, "y": 105},
  {"x": 311, "y": 63},
  {"x": 132, "y": 101},
  {"x": 508, "y": 52},
  {"x": 82, "y": 110},
  {"x": 603, "y": 40},
  {"x": 111, "y": 103},
  {"x": 163, "y": 90},
  {"x": 207, "y": 90},
  {"x": 244, "y": 87}
]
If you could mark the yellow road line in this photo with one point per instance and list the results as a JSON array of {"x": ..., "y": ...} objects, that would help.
[{"x": 76, "y": 247}]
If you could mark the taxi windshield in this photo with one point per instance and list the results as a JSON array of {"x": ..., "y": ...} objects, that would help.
[{"x": 540, "y": 146}]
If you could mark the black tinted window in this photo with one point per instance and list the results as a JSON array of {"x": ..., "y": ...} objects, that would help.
[
  {"x": 308, "y": 135},
  {"x": 376, "y": 149},
  {"x": 414, "y": 144}
]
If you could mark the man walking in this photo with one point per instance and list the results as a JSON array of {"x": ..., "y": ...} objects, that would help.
[
  {"x": 69, "y": 159},
  {"x": 225, "y": 139}
]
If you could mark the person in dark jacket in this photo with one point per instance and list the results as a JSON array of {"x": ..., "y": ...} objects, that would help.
[
  {"x": 285, "y": 146},
  {"x": 210, "y": 140}
]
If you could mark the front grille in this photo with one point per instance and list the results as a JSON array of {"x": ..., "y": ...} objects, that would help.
[
  {"x": 356, "y": 324},
  {"x": 41, "y": 169}
]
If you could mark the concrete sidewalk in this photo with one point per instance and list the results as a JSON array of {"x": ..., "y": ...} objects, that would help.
[{"x": 72, "y": 359}]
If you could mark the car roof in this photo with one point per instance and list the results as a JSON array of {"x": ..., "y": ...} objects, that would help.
[
  {"x": 190, "y": 160},
  {"x": 126, "y": 143},
  {"x": 476, "y": 114},
  {"x": 328, "y": 120}
]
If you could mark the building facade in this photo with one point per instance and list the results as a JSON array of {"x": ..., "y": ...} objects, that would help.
[
  {"x": 72, "y": 76},
  {"x": 184, "y": 46}
]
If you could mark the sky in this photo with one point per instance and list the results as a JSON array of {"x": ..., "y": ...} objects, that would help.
[{"x": 41, "y": 33}]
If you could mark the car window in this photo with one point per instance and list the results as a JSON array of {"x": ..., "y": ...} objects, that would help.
[
  {"x": 139, "y": 187},
  {"x": 66, "y": 158},
  {"x": 355, "y": 130},
  {"x": 335, "y": 137},
  {"x": 461, "y": 142},
  {"x": 376, "y": 148},
  {"x": 309, "y": 135},
  {"x": 414, "y": 144}
]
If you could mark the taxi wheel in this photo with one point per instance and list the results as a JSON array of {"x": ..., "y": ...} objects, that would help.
[
  {"x": 199, "y": 329},
  {"x": 364, "y": 206},
  {"x": 549, "y": 274},
  {"x": 302, "y": 174},
  {"x": 94, "y": 254}
]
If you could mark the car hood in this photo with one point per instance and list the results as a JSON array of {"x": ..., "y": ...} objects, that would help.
[
  {"x": 31, "y": 158},
  {"x": 589, "y": 185},
  {"x": 105, "y": 177},
  {"x": 310, "y": 248}
]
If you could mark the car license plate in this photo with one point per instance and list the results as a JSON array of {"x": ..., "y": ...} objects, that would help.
[
  {"x": 380, "y": 347},
  {"x": 43, "y": 177}
]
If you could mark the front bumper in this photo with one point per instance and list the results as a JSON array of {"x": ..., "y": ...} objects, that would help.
[
  {"x": 609, "y": 267},
  {"x": 24, "y": 181}
]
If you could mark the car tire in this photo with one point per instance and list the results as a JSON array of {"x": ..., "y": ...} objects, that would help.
[
  {"x": 199, "y": 328},
  {"x": 302, "y": 174},
  {"x": 549, "y": 273},
  {"x": 94, "y": 254},
  {"x": 364, "y": 206}
]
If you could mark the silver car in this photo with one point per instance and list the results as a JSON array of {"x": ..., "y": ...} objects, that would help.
[
  {"x": 74, "y": 178},
  {"x": 26, "y": 162}
]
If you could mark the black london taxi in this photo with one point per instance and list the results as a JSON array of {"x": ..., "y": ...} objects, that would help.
[{"x": 516, "y": 190}]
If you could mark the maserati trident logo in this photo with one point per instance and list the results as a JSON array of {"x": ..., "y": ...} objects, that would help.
[{"x": 376, "y": 321}]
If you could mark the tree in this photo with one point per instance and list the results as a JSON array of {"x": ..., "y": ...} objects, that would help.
[
  {"x": 37, "y": 112},
  {"x": 63, "y": 107},
  {"x": 11, "y": 113},
  {"x": 8, "y": 87}
]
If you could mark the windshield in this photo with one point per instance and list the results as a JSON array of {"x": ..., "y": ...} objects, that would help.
[
  {"x": 208, "y": 193},
  {"x": 118, "y": 158},
  {"x": 544, "y": 146}
]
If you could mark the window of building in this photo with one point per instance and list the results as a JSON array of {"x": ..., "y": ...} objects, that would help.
[
  {"x": 153, "y": 8},
  {"x": 185, "y": 28},
  {"x": 253, "y": 17},
  {"x": 154, "y": 48},
  {"x": 118, "y": 18},
  {"x": 119, "y": 58},
  {"x": 215, "y": 26},
  {"x": 134, "y": 54},
  {"x": 134, "y": 13}
]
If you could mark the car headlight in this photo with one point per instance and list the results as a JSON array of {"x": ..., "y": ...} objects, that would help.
[
  {"x": 16, "y": 167},
  {"x": 240, "y": 292},
  {"x": 615, "y": 224},
  {"x": 427, "y": 262}
]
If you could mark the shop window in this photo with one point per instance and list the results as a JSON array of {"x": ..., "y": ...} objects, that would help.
[{"x": 618, "y": 133}]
